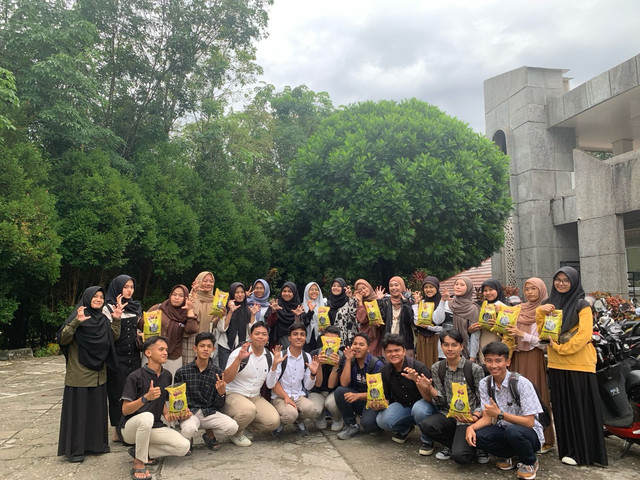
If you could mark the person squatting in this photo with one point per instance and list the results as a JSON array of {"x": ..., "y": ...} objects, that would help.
[{"x": 358, "y": 361}]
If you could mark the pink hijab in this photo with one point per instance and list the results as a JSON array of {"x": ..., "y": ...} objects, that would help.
[{"x": 527, "y": 315}]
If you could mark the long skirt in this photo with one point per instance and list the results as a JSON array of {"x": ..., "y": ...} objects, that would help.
[
  {"x": 531, "y": 366},
  {"x": 115, "y": 385},
  {"x": 577, "y": 415},
  {"x": 427, "y": 349},
  {"x": 83, "y": 422}
]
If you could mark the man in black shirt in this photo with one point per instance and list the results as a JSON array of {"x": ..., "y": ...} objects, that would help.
[
  {"x": 143, "y": 403},
  {"x": 206, "y": 394},
  {"x": 406, "y": 388}
]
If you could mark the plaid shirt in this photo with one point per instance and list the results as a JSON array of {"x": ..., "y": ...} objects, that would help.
[
  {"x": 443, "y": 399},
  {"x": 201, "y": 388}
]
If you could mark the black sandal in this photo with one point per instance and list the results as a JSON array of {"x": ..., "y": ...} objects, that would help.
[
  {"x": 151, "y": 462},
  {"x": 212, "y": 443},
  {"x": 140, "y": 470}
]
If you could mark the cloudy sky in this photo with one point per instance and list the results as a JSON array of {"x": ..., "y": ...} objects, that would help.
[{"x": 440, "y": 51}]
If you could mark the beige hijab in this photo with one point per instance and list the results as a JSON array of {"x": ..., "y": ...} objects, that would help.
[
  {"x": 527, "y": 315},
  {"x": 202, "y": 302},
  {"x": 465, "y": 312},
  {"x": 372, "y": 295}
]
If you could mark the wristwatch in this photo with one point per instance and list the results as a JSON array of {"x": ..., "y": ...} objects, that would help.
[
  {"x": 143, "y": 399},
  {"x": 500, "y": 416}
]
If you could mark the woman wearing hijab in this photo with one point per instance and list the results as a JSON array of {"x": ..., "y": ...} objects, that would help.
[
  {"x": 86, "y": 340},
  {"x": 202, "y": 297},
  {"x": 283, "y": 311},
  {"x": 120, "y": 291},
  {"x": 577, "y": 413},
  {"x": 311, "y": 300},
  {"x": 492, "y": 291},
  {"x": 397, "y": 313},
  {"x": 178, "y": 320},
  {"x": 465, "y": 315},
  {"x": 342, "y": 311},
  {"x": 260, "y": 296},
  {"x": 364, "y": 292},
  {"x": 234, "y": 328},
  {"x": 528, "y": 356},
  {"x": 427, "y": 340}
]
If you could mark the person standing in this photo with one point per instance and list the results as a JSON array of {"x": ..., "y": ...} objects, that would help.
[
  {"x": 342, "y": 311},
  {"x": 427, "y": 339},
  {"x": 465, "y": 317},
  {"x": 577, "y": 413},
  {"x": 86, "y": 340},
  {"x": 234, "y": 328},
  {"x": 202, "y": 297},
  {"x": 397, "y": 312},
  {"x": 311, "y": 300},
  {"x": 364, "y": 292}
]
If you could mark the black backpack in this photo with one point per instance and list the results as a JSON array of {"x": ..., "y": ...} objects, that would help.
[
  {"x": 467, "y": 369},
  {"x": 244, "y": 362},
  {"x": 543, "y": 418}
]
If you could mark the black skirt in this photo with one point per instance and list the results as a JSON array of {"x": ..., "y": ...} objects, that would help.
[
  {"x": 115, "y": 384},
  {"x": 83, "y": 422},
  {"x": 577, "y": 416}
]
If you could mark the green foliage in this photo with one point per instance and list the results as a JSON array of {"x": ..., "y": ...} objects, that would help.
[
  {"x": 50, "y": 350},
  {"x": 8, "y": 98},
  {"x": 383, "y": 187}
]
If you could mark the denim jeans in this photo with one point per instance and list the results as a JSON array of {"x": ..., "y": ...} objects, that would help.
[
  {"x": 398, "y": 418},
  {"x": 350, "y": 410},
  {"x": 505, "y": 442}
]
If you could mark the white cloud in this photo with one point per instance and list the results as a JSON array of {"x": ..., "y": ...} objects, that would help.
[{"x": 442, "y": 51}]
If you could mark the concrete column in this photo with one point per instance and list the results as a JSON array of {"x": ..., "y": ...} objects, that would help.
[{"x": 622, "y": 146}]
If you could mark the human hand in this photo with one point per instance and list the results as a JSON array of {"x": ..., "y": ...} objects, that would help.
[
  {"x": 470, "y": 436},
  {"x": 221, "y": 385},
  {"x": 348, "y": 353},
  {"x": 515, "y": 331},
  {"x": 299, "y": 310},
  {"x": 547, "y": 308},
  {"x": 232, "y": 306},
  {"x": 351, "y": 397},
  {"x": 379, "y": 293},
  {"x": 254, "y": 309},
  {"x": 289, "y": 401},
  {"x": 313, "y": 365},
  {"x": 492, "y": 409},
  {"x": 311, "y": 305},
  {"x": 244, "y": 351},
  {"x": 376, "y": 405},
  {"x": 417, "y": 297},
  {"x": 81, "y": 316},
  {"x": 153, "y": 392},
  {"x": 118, "y": 308},
  {"x": 188, "y": 303},
  {"x": 410, "y": 373},
  {"x": 474, "y": 327},
  {"x": 278, "y": 356},
  {"x": 274, "y": 305}
]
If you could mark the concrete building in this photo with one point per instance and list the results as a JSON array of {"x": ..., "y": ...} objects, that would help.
[{"x": 570, "y": 206}]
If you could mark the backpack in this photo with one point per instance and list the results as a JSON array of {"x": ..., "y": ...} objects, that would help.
[
  {"x": 543, "y": 418},
  {"x": 283, "y": 365},
  {"x": 467, "y": 369},
  {"x": 244, "y": 362}
]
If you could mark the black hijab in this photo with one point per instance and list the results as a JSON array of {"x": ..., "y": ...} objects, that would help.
[
  {"x": 438, "y": 296},
  {"x": 336, "y": 302},
  {"x": 93, "y": 336},
  {"x": 239, "y": 318},
  {"x": 495, "y": 284},
  {"x": 115, "y": 289},
  {"x": 569, "y": 302}
]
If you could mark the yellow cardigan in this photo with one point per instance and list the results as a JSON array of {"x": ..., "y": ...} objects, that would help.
[{"x": 578, "y": 354}]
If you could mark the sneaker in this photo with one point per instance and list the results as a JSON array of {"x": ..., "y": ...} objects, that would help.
[
  {"x": 240, "y": 440},
  {"x": 302, "y": 430},
  {"x": 277, "y": 433},
  {"x": 321, "y": 423},
  {"x": 546, "y": 448},
  {"x": 248, "y": 434},
  {"x": 337, "y": 426},
  {"x": 348, "y": 432},
  {"x": 482, "y": 457},
  {"x": 427, "y": 449},
  {"x": 569, "y": 461},
  {"x": 505, "y": 464},
  {"x": 444, "y": 454},
  {"x": 402, "y": 437},
  {"x": 527, "y": 471}
]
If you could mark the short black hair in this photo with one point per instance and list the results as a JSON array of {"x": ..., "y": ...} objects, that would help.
[
  {"x": 392, "y": 339},
  {"x": 149, "y": 342},
  {"x": 332, "y": 329},
  {"x": 496, "y": 348},
  {"x": 363, "y": 335},
  {"x": 205, "y": 336},
  {"x": 455, "y": 334},
  {"x": 297, "y": 326},
  {"x": 258, "y": 325}
]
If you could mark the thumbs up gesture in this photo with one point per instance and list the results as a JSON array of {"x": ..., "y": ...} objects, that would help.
[{"x": 153, "y": 393}]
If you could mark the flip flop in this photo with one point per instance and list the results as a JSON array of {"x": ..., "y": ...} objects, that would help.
[{"x": 140, "y": 470}]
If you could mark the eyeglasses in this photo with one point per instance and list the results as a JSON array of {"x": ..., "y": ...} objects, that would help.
[{"x": 562, "y": 281}]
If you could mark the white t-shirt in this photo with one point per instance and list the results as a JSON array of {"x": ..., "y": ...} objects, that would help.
[{"x": 248, "y": 382}]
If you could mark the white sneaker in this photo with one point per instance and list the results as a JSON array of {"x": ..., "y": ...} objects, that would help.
[
  {"x": 321, "y": 423},
  {"x": 569, "y": 461},
  {"x": 337, "y": 426},
  {"x": 240, "y": 440}
]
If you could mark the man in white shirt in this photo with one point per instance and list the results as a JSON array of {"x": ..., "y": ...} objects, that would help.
[
  {"x": 291, "y": 376},
  {"x": 246, "y": 372}
]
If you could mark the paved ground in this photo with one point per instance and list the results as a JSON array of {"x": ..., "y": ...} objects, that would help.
[{"x": 30, "y": 403}]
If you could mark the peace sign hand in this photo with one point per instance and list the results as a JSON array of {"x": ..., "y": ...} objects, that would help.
[{"x": 221, "y": 385}]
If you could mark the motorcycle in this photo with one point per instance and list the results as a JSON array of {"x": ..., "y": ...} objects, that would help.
[{"x": 618, "y": 376}]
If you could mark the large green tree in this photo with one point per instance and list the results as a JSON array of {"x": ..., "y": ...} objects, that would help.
[{"x": 383, "y": 188}]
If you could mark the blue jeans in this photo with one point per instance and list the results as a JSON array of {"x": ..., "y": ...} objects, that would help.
[
  {"x": 398, "y": 418},
  {"x": 508, "y": 441},
  {"x": 350, "y": 410}
]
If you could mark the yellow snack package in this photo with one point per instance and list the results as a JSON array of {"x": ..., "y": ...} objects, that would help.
[
  {"x": 375, "y": 390},
  {"x": 330, "y": 345},
  {"x": 488, "y": 315},
  {"x": 459, "y": 401},
  {"x": 507, "y": 316},
  {"x": 177, "y": 398},
  {"x": 323, "y": 318},
  {"x": 425, "y": 314},
  {"x": 220, "y": 299},
  {"x": 373, "y": 313},
  {"x": 551, "y": 326},
  {"x": 509, "y": 341},
  {"x": 152, "y": 324}
]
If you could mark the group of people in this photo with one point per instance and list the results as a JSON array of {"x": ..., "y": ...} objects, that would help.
[{"x": 260, "y": 362}]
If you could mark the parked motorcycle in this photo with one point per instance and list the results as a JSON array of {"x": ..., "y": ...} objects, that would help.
[{"x": 618, "y": 376}]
